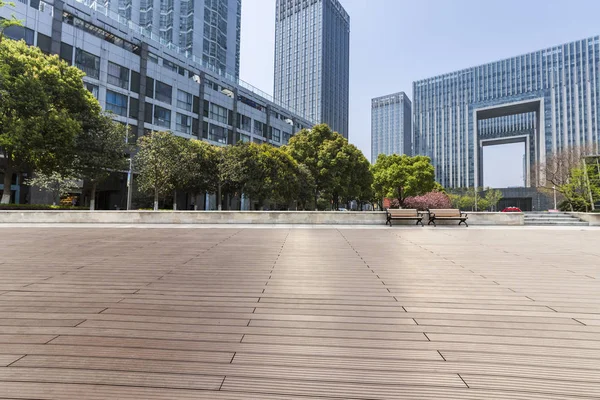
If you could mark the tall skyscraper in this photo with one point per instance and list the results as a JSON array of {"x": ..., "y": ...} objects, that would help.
[
  {"x": 548, "y": 100},
  {"x": 209, "y": 29},
  {"x": 312, "y": 56},
  {"x": 391, "y": 127}
]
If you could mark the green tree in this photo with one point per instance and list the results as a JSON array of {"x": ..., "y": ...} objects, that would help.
[
  {"x": 42, "y": 106},
  {"x": 58, "y": 185},
  {"x": 6, "y": 23},
  {"x": 402, "y": 176},
  {"x": 156, "y": 162},
  {"x": 100, "y": 148},
  {"x": 261, "y": 172},
  {"x": 577, "y": 191},
  {"x": 339, "y": 169},
  {"x": 493, "y": 196},
  {"x": 197, "y": 168},
  {"x": 306, "y": 188},
  {"x": 306, "y": 147}
]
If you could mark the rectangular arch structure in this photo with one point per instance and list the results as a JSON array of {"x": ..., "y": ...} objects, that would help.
[{"x": 535, "y": 143}]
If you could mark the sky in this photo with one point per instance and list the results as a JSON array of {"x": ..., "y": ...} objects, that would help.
[
  {"x": 396, "y": 42},
  {"x": 503, "y": 165}
]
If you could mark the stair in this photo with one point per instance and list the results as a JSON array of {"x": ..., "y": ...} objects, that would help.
[{"x": 552, "y": 219}]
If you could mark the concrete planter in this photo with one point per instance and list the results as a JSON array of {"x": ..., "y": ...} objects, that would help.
[
  {"x": 235, "y": 217},
  {"x": 592, "y": 218}
]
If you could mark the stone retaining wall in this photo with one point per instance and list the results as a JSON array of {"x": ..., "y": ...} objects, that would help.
[
  {"x": 235, "y": 217},
  {"x": 592, "y": 218}
]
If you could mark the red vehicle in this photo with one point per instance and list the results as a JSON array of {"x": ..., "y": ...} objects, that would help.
[{"x": 512, "y": 209}]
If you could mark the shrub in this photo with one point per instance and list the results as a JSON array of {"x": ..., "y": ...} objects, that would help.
[
  {"x": 394, "y": 203},
  {"x": 38, "y": 207},
  {"x": 428, "y": 200}
]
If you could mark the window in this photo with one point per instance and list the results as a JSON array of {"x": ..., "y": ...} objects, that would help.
[
  {"x": 258, "y": 128},
  {"x": 88, "y": 63},
  {"x": 149, "y": 87},
  {"x": 66, "y": 53},
  {"x": 184, "y": 124},
  {"x": 164, "y": 92},
  {"x": 135, "y": 82},
  {"x": 244, "y": 123},
  {"x": 276, "y": 135},
  {"x": 218, "y": 113},
  {"x": 244, "y": 138},
  {"x": 44, "y": 43},
  {"x": 134, "y": 108},
  {"x": 162, "y": 117},
  {"x": 19, "y": 33},
  {"x": 116, "y": 103},
  {"x": 148, "y": 112},
  {"x": 92, "y": 88},
  {"x": 217, "y": 134},
  {"x": 118, "y": 76},
  {"x": 286, "y": 138},
  {"x": 184, "y": 100}
]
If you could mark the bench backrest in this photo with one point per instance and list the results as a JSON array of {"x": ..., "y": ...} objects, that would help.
[
  {"x": 446, "y": 212},
  {"x": 403, "y": 212}
]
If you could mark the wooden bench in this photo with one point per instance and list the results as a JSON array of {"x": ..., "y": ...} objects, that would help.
[
  {"x": 404, "y": 213},
  {"x": 447, "y": 215}
]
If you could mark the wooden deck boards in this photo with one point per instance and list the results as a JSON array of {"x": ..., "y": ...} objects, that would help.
[{"x": 280, "y": 314}]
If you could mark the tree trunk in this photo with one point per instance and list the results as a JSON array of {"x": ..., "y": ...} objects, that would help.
[
  {"x": 7, "y": 183},
  {"x": 93, "y": 197},
  {"x": 400, "y": 199},
  {"x": 175, "y": 200},
  {"x": 155, "y": 199}
]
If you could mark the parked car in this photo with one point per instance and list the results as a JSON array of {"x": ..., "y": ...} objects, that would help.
[
  {"x": 342, "y": 209},
  {"x": 512, "y": 209}
]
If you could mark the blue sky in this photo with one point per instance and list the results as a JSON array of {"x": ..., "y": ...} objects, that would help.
[{"x": 395, "y": 42}]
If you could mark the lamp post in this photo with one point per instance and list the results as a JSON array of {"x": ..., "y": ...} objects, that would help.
[
  {"x": 554, "y": 189},
  {"x": 129, "y": 183}
]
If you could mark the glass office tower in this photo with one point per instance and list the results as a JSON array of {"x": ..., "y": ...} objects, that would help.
[
  {"x": 312, "y": 50},
  {"x": 547, "y": 99},
  {"x": 209, "y": 29},
  {"x": 390, "y": 125}
]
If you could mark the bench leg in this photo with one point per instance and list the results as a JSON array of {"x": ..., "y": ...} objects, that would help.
[
  {"x": 420, "y": 222},
  {"x": 432, "y": 221}
]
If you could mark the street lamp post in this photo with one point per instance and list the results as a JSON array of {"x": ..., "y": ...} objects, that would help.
[
  {"x": 554, "y": 189},
  {"x": 129, "y": 183}
]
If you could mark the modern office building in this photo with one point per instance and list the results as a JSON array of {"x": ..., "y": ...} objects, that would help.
[
  {"x": 548, "y": 100},
  {"x": 149, "y": 85},
  {"x": 312, "y": 60},
  {"x": 206, "y": 28},
  {"x": 391, "y": 128}
]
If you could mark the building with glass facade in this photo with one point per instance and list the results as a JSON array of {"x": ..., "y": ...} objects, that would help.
[
  {"x": 207, "y": 28},
  {"x": 391, "y": 127},
  {"x": 149, "y": 85},
  {"x": 312, "y": 60},
  {"x": 547, "y": 99}
]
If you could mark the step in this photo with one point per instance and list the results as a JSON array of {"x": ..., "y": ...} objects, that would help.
[
  {"x": 552, "y": 219},
  {"x": 555, "y": 223}
]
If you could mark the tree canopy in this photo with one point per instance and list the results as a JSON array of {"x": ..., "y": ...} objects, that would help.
[
  {"x": 100, "y": 148},
  {"x": 157, "y": 163},
  {"x": 42, "y": 106},
  {"x": 339, "y": 169},
  {"x": 401, "y": 176}
]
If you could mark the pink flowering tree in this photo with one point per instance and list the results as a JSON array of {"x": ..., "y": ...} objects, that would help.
[{"x": 428, "y": 200}]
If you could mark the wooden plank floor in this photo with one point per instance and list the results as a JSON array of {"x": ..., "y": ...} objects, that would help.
[{"x": 107, "y": 313}]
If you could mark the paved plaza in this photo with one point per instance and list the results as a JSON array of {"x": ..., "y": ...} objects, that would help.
[{"x": 273, "y": 314}]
